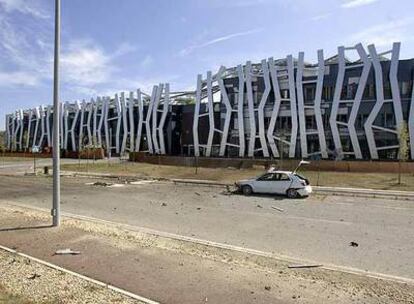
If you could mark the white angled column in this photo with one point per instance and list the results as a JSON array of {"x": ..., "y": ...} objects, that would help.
[
  {"x": 155, "y": 118},
  {"x": 105, "y": 112},
  {"x": 240, "y": 111},
  {"x": 125, "y": 129},
  {"x": 210, "y": 109},
  {"x": 357, "y": 101},
  {"x": 196, "y": 118},
  {"x": 337, "y": 99},
  {"x": 81, "y": 125},
  {"x": 250, "y": 107},
  {"x": 164, "y": 113},
  {"x": 293, "y": 108},
  {"x": 73, "y": 126},
  {"x": 318, "y": 104},
  {"x": 148, "y": 120},
  {"x": 275, "y": 109},
  {"x": 396, "y": 99},
  {"x": 131, "y": 108},
  {"x": 119, "y": 114},
  {"x": 229, "y": 110},
  {"x": 140, "y": 121},
  {"x": 261, "y": 107},
  {"x": 301, "y": 106}
]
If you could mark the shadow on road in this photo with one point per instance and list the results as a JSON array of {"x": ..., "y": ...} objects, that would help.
[
  {"x": 25, "y": 228},
  {"x": 277, "y": 197}
]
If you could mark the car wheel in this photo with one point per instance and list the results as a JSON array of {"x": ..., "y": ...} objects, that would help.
[
  {"x": 292, "y": 193},
  {"x": 247, "y": 190}
]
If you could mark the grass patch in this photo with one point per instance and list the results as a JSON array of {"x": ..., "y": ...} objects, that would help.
[{"x": 384, "y": 181}]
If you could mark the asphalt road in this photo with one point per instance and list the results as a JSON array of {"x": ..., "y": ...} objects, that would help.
[{"x": 319, "y": 228}]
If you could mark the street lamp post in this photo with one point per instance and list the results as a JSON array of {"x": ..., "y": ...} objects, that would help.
[{"x": 56, "y": 122}]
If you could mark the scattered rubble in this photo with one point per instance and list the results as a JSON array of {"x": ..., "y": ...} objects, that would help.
[
  {"x": 34, "y": 276},
  {"x": 278, "y": 209},
  {"x": 67, "y": 251}
]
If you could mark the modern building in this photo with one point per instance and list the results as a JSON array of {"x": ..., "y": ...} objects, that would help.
[{"x": 336, "y": 108}]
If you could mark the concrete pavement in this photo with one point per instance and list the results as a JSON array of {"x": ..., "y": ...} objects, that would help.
[{"x": 319, "y": 228}]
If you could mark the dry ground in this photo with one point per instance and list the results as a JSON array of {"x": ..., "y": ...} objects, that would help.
[{"x": 384, "y": 181}]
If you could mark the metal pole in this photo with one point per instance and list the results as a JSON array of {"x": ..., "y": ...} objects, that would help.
[{"x": 56, "y": 122}]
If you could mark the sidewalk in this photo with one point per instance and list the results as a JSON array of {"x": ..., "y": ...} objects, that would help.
[{"x": 172, "y": 271}]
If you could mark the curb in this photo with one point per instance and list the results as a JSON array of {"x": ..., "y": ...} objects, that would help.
[
  {"x": 337, "y": 191},
  {"x": 81, "y": 276}
]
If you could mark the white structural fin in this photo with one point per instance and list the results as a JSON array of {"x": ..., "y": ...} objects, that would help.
[
  {"x": 210, "y": 109},
  {"x": 318, "y": 103},
  {"x": 82, "y": 125},
  {"x": 73, "y": 126},
  {"x": 196, "y": 142},
  {"x": 125, "y": 128},
  {"x": 337, "y": 100},
  {"x": 354, "y": 103},
  {"x": 250, "y": 107},
  {"x": 42, "y": 126},
  {"x": 240, "y": 110},
  {"x": 140, "y": 121},
  {"x": 395, "y": 100},
  {"x": 261, "y": 107},
  {"x": 237, "y": 109},
  {"x": 229, "y": 110},
  {"x": 313, "y": 108},
  {"x": 105, "y": 110},
  {"x": 131, "y": 133},
  {"x": 148, "y": 131},
  {"x": 164, "y": 113},
  {"x": 293, "y": 107},
  {"x": 100, "y": 117},
  {"x": 94, "y": 106},
  {"x": 275, "y": 110},
  {"x": 366, "y": 63},
  {"x": 155, "y": 112},
  {"x": 29, "y": 129},
  {"x": 118, "y": 118}
]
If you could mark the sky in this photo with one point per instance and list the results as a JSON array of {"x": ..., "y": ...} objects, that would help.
[{"x": 110, "y": 46}]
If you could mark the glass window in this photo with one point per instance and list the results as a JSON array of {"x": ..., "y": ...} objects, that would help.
[{"x": 283, "y": 177}]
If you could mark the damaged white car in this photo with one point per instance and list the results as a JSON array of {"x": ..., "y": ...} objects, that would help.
[{"x": 287, "y": 183}]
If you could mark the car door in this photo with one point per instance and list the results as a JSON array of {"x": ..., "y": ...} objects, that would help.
[
  {"x": 264, "y": 183},
  {"x": 282, "y": 183}
]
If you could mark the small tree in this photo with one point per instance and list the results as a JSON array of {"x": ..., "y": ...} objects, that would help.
[{"x": 403, "y": 137}]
